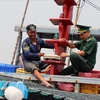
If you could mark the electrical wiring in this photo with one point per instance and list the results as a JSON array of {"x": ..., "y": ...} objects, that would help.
[{"x": 41, "y": 8}]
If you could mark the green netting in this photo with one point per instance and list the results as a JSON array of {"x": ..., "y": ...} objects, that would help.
[
  {"x": 57, "y": 97},
  {"x": 45, "y": 93},
  {"x": 33, "y": 90}
]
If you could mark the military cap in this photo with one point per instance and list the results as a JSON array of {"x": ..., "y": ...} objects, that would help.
[
  {"x": 31, "y": 27},
  {"x": 82, "y": 29}
]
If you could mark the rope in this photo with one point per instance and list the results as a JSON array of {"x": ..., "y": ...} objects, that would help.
[
  {"x": 19, "y": 33},
  {"x": 93, "y": 5},
  {"x": 76, "y": 20}
]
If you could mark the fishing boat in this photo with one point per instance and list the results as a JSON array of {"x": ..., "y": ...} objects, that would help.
[{"x": 85, "y": 86}]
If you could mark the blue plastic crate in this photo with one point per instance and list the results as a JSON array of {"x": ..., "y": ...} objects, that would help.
[
  {"x": 2, "y": 85},
  {"x": 7, "y": 68},
  {"x": 2, "y": 66},
  {"x": 16, "y": 67}
]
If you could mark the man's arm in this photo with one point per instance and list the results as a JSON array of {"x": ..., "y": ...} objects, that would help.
[
  {"x": 81, "y": 52},
  {"x": 44, "y": 44},
  {"x": 69, "y": 44}
]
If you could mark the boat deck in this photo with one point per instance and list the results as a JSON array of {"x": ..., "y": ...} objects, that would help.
[{"x": 34, "y": 85}]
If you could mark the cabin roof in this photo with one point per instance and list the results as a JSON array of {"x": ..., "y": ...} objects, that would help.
[
  {"x": 48, "y": 32},
  {"x": 55, "y": 30}
]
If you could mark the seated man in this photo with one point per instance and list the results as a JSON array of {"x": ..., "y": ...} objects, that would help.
[
  {"x": 85, "y": 58},
  {"x": 31, "y": 54}
]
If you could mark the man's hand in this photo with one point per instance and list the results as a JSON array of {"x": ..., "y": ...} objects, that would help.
[
  {"x": 40, "y": 54},
  {"x": 64, "y": 55},
  {"x": 62, "y": 40}
]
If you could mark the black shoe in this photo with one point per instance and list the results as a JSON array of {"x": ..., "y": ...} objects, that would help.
[{"x": 74, "y": 74}]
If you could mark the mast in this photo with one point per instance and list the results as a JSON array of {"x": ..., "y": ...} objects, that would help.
[
  {"x": 64, "y": 22},
  {"x": 77, "y": 13},
  {"x": 19, "y": 38}
]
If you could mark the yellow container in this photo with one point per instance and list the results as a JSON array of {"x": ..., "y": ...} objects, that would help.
[
  {"x": 89, "y": 88},
  {"x": 21, "y": 70}
]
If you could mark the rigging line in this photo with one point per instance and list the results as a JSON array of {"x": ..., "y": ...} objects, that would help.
[
  {"x": 83, "y": 2},
  {"x": 19, "y": 33},
  {"x": 79, "y": 9},
  {"x": 39, "y": 11},
  {"x": 76, "y": 20},
  {"x": 93, "y": 5}
]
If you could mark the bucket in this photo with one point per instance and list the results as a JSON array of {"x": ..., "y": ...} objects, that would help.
[
  {"x": 21, "y": 87},
  {"x": 13, "y": 93},
  {"x": 69, "y": 87}
]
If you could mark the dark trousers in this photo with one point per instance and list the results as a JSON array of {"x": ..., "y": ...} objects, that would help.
[{"x": 79, "y": 64}]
